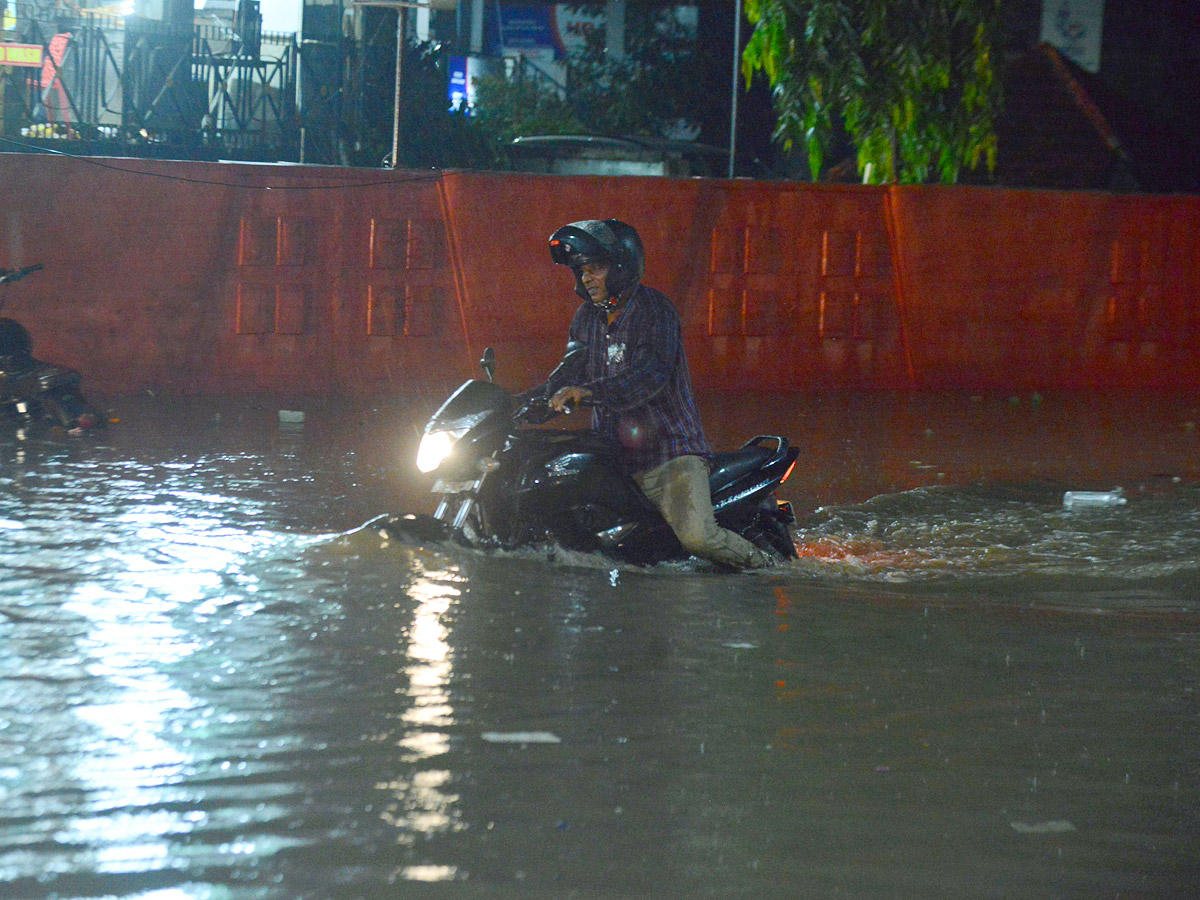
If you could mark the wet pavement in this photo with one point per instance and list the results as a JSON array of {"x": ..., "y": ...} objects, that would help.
[{"x": 213, "y": 686}]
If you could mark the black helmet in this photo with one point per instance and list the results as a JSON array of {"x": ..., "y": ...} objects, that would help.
[{"x": 610, "y": 241}]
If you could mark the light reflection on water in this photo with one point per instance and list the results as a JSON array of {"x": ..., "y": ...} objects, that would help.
[
  {"x": 424, "y": 804},
  {"x": 208, "y": 690},
  {"x": 125, "y": 762}
]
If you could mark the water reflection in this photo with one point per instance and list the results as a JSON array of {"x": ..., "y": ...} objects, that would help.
[
  {"x": 199, "y": 700},
  {"x": 113, "y": 662},
  {"x": 124, "y": 762},
  {"x": 429, "y": 666},
  {"x": 424, "y": 803},
  {"x": 147, "y": 743}
]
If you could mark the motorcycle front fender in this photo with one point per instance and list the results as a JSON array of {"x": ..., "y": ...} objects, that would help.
[{"x": 412, "y": 529}]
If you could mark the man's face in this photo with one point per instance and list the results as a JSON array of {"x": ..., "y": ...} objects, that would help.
[{"x": 595, "y": 276}]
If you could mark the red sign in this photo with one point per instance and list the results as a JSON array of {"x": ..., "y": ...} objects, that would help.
[{"x": 21, "y": 55}]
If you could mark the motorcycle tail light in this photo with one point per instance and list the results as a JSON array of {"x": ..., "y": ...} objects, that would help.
[{"x": 788, "y": 473}]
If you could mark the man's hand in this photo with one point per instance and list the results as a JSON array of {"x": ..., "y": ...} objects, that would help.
[{"x": 568, "y": 397}]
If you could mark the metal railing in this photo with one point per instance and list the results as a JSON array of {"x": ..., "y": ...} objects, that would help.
[
  {"x": 522, "y": 68},
  {"x": 152, "y": 89}
]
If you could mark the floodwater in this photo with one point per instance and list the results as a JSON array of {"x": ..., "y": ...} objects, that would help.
[{"x": 213, "y": 688}]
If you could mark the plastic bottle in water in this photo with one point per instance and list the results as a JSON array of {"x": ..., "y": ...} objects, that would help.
[{"x": 1078, "y": 499}]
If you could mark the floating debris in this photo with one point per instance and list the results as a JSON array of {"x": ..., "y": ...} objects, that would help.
[
  {"x": 1073, "y": 499},
  {"x": 1055, "y": 826},
  {"x": 521, "y": 737}
]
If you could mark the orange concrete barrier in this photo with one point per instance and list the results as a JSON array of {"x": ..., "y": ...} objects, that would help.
[
  {"x": 202, "y": 278},
  {"x": 206, "y": 278},
  {"x": 780, "y": 287},
  {"x": 1005, "y": 288}
]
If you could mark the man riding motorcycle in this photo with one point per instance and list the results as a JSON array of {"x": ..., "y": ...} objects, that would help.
[{"x": 635, "y": 374}]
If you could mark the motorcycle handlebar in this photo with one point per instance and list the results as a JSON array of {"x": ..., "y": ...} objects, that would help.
[
  {"x": 584, "y": 402},
  {"x": 8, "y": 275},
  {"x": 537, "y": 410}
]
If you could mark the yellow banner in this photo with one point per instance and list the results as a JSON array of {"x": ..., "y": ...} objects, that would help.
[{"x": 21, "y": 55}]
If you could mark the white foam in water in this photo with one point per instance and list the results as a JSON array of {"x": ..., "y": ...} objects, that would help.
[{"x": 1004, "y": 535}]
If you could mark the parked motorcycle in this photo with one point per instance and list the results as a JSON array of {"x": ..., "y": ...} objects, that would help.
[
  {"x": 503, "y": 483},
  {"x": 32, "y": 391}
]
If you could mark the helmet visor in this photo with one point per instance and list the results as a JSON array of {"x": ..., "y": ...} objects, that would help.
[{"x": 574, "y": 246}]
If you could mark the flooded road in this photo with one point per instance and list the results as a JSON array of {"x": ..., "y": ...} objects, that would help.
[{"x": 213, "y": 687}]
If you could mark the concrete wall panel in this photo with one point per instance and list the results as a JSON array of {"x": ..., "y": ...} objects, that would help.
[{"x": 204, "y": 278}]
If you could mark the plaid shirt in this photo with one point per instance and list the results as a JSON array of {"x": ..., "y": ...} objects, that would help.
[{"x": 637, "y": 371}]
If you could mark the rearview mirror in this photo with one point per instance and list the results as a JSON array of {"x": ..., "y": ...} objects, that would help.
[
  {"x": 573, "y": 358},
  {"x": 488, "y": 363}
]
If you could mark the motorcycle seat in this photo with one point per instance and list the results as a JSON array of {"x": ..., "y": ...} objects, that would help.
[
  {"x": 51, "y": 376},
  {"x": 731, "y": 465},
  {"x": 15, "y": 342},
  {"x": 10, "y": 362}
]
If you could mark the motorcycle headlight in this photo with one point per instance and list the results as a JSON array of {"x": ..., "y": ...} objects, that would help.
[{"x": 435, "y": 447}]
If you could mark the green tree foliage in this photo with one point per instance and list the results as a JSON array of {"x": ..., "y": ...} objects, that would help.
[
  {"x": 506, "y": 108},
  {"x": 655, "y": 84},
  {"x": 431, "y": 134},
  {"x": 913, "y": 83},
  {"x": 660, "y": 80}
]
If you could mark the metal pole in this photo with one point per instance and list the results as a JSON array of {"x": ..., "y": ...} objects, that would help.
[
  {"x": 476, "y": 26},
  {"x": 399, "y": 65},
  {"x": 737, "y": 47},
  {"x": 400, "y": 6},
  {"x": 614, "y": 38}
]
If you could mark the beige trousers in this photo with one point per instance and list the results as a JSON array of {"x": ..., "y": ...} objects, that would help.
[{"x": 679, "y": 488}]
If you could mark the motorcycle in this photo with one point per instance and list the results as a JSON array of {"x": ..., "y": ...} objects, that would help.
[
  {"x": 503, "y": 483},
  {"x": 32, "y": 391}
]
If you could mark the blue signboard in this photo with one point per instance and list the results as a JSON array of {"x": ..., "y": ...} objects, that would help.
[
  {"x": 458, "y": 83},
  {"x": 526, "y": 27}
]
